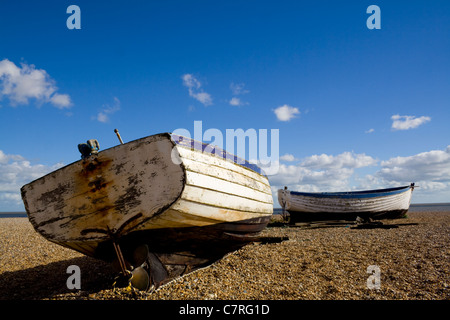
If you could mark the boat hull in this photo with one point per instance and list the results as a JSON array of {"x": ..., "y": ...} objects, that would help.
[
  {"x": 188, "y": 203},
  {"x": 389, "y": 203}
]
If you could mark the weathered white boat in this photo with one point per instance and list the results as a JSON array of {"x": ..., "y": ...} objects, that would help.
[
  {"x": 182, "y": 202},
  {"x": 375, "y": 204}
]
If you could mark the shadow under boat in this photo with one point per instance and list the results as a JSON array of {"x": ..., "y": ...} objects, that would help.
[{"x": 173, "y": 252}]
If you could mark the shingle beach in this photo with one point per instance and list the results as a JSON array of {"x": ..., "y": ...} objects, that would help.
[{"x": 321, "y": 263}]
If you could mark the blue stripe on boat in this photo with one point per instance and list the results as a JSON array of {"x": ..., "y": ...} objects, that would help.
[
  {"x": 354, "y": 194},
  {"x": 214, "y": 150}
]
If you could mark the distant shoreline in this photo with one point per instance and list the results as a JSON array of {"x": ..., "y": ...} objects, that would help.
[
  {"x": 431, "y": 207},
  {"x": 13, "y": 214},
  {"x": 443, "y": 204}
]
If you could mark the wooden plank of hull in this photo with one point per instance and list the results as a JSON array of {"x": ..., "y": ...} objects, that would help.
[
  {"x": 224, "y": 200},
  {"x": 303, "y": 206},
  {"x": 220, "y": 172},
  {"x": 226, "y": 187},
  {"x": 217, "y": 161}
]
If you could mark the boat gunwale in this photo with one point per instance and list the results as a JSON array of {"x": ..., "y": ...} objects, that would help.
[{"x": 354, "y": 194}]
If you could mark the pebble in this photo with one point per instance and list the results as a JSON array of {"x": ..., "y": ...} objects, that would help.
[{"x": 315, "y": 263}]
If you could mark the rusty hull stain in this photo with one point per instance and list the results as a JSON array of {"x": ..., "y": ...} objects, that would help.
[
  {"x": 101, "y": 199},
  {"x": 130, "y": 199}
]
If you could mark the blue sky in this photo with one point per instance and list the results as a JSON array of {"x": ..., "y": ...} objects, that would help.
[{"x": 355, "y": 108}]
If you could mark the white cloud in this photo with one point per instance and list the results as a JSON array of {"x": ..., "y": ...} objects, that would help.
[
  {"x": 190, "y": 81},
  {"x": 195, "y": 89},
  {"x": 407, "y": 122},
  {"x": 3, "y": 158},
  {"x": 238, "y": 88},
  {"x": 103, "y": 115},
  {"x": 20, "y": 84},
  {"x": 286, "y": 112},
  {"x": 433, "y": 165},
  {"x": 300, "y": 178},
  {"x": 345, "y": 159},
  {"x": 433, "y": 186},
  {"x": 16, "y": 171},
  {"x": 237, "y": 102},
  {"x": 321, "y": 172},
  {"x": 370, "y": 130},
  {"x": 60, "y": 99},
  {"x": 203, "y": 97},
  {"x": 288, "y": 157},
  {"x": 430, "y": 171}
]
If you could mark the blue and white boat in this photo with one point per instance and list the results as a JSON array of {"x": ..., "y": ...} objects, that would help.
[{"x": 388, "y": 203}]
